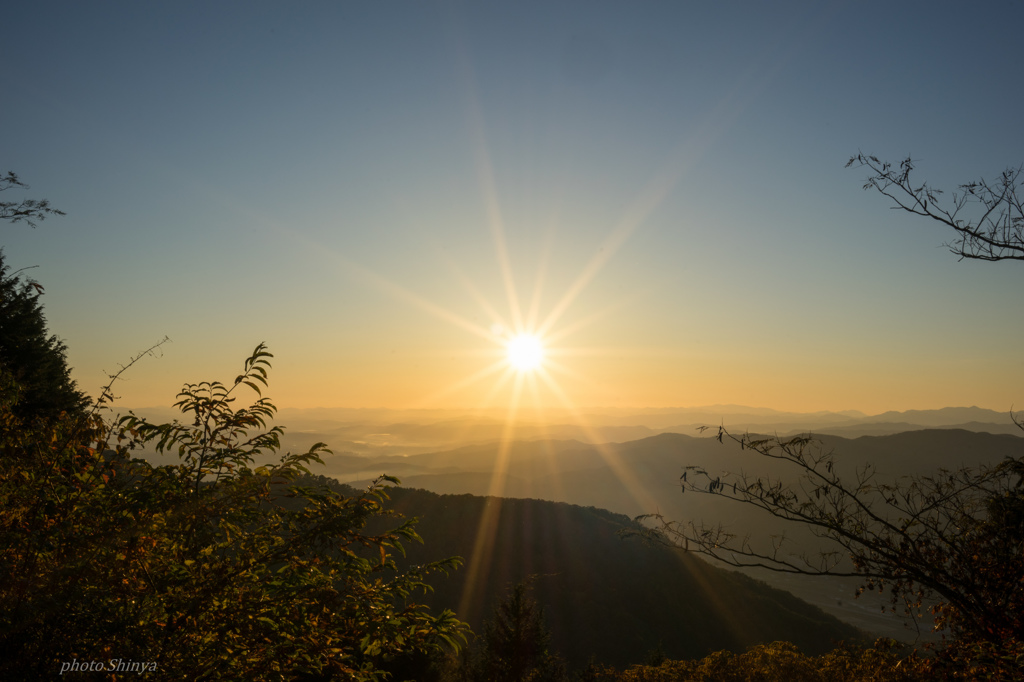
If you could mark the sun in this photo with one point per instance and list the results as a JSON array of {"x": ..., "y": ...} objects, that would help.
[{"x": 525, "y": 352}]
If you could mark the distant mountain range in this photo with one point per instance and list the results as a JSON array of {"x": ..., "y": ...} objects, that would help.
[
  {"x": 437, "y": 429},
  {"x": 404, "y": 432},
  {"x": 639, "y": 477},
  {"x": 630, "y": 467}
]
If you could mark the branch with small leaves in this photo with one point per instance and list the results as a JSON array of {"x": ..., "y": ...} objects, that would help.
[
  {"x": 994, "y": 233},
  {"x": 954, "y": 536},
  {"x": 217, "y": 442},
  {"x": 27, "y": 210}
]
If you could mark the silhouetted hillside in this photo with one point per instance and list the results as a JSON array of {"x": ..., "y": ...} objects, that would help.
[
  {"x": 606, "y": 596},
  {"x": 641, "y": 476}
]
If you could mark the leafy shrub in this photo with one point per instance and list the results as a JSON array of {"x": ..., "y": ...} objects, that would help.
[{"x": 211, "y": 568}]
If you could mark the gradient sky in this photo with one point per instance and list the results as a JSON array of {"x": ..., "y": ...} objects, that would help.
[{"x": 362, "y": 185}]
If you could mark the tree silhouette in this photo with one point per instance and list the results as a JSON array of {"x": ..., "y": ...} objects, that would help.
[
  {"x": 38, "y": 383},
  {"x": 515, "y": 643},
  {"x": 34, "y": 360},
  {"x": 996, "y": 230},
  {"x": 27, "y": 210},
  {"x": 955, "y": 536}
]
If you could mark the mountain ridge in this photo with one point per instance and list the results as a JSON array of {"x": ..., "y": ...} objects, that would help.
[{"x": 606, "y": 593}]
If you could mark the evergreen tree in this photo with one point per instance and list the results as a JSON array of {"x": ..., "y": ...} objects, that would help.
[
  {"x": 33, "y": 359},
  {"x": 515, "y": 644},
  {"x": 34, "y": 376}
]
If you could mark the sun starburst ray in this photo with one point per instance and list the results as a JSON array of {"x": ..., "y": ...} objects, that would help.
[
  {"x": 494, "y": 219},
  {"x": 553, "y": 336},
  {"x": 557, "y": 367},
  {"x": 538, "y": 286},
  {"x": 634, "y": 488},
  {"x": 483, "y": 543},
  {"x": 401, "y": 293},
  {"x": 498, "y": 321},
  {"x": 461, "y": 384},
  {"x": 637, "y": 213}
]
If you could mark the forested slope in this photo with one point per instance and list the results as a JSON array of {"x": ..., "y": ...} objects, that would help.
[{"x": 607, "y": 596}]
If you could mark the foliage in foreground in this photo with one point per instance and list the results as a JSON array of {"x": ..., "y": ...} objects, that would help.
[
  {"x": 955, "y": 537},
  {"x": 211, "y": 568},
  {"x": 886, "y": 661}
]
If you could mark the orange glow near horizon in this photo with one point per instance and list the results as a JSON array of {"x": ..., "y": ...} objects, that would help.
[{"x": 528, "y": 360}]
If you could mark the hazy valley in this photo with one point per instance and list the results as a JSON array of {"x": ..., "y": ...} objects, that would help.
[{"x": 639, "y": 474}]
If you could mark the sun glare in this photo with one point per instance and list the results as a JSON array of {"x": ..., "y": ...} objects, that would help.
[
  {"x": 526, "y": 349},
  {"x": 525, "y": 352}
]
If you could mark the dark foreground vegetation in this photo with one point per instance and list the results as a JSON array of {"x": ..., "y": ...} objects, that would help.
[{"x": 195, "y": 570}]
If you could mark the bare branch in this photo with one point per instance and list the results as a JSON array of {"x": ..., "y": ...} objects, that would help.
[
  {"x": 997, "y": 233},
  {"x": 28, "y": 210},
  {"x": 956, "y": 535}
]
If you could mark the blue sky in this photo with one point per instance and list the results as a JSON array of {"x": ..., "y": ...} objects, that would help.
[{"x": 341, "y": 180}]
